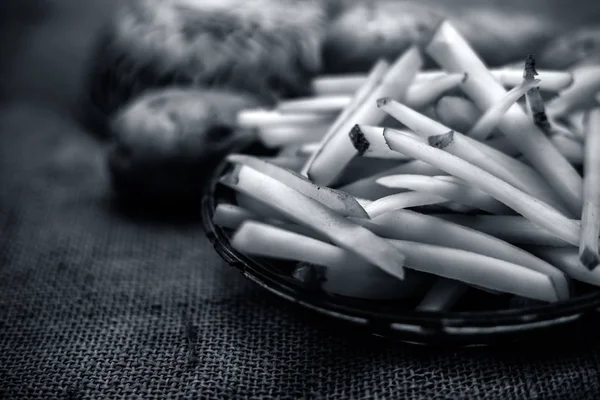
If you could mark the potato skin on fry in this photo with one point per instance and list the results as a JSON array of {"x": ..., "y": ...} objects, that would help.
[{"x": 166, "y": 142}]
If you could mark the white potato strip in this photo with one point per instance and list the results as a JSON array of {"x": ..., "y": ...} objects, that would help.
[
  {"x": 376, "y": 75},
  {"x": 345, "y": 273},
  {"x": 337, "y": 200},
  {"x": 590, "y": 217},
  {"x": 361, "y": 167},
  {"x": 530, "y": 207},
  {"x": 442, "y": 296},
  {"x": 567, "y": 260},
  {"x": 360, "y": 136},
  {"x": 502, "y": 144},
  {"x": 330, "y": 104},
  {"x": 493, "y": 115},
  {"x": 580, "y": 95},
  {"x": 477, "y": 269},
  {"x": 231, "y": 216},
  {"x": 451, "y": 51},
  {"x": 510, "y": 228},
  {"x": 416, "y": 227},
  {"x": 576, "y": 122},
  {"x": 308, "y": 212},
  {"x": 270, "y": 118},
  {"x": 570, "y": 148},
  {"x": 418, "y": 95},
  {"x": 515, "y": 172},
  {"x": 422, "y": 94},
  {"x": 308, "y": 149},
  {"x": 551, "y": 81},
  {"x": 279, "y": 136},
  {"x": 370, "y": 189},
  {"x": 334, "y": 155},
  {"x": 400, "y": 201},
  {"x": 454, "y": 191},
  {"x": 293, "y": 163},
  {"x": 264, "y": 211}
]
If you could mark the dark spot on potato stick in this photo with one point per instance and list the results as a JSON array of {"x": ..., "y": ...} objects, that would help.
[
  {"x": 360, "y": 143},
  {"x": 441, "y": 141}
]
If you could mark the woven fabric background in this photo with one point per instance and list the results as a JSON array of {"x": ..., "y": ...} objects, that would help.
[{"x": 95, "y": 304}]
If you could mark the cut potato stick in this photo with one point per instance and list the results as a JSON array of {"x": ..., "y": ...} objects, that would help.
[
  {"x": 400, "y": 201},
  {"x": 510, "y": 228},
  {"x": 530, "y": 207},
  {"x": 359, "y": 135},
  {"x": 416, "y": 227},
  {"x": 329, "y": 104},
  {"x": 477, "y": 269},
  {"x": 418, "y": 96},
  {"x": 231, "y": 216},
  {"x": 270, "y": 118},
  {"x": 442, "y": 296},
  {"x": 493, "y": 115},
  {"x": 345, "y": 273},
  {"x": 580, "y": 95},
  {"x": 361, "y": 167},
  {"x": 279, "y": 136},
  {"x": 376, "y": 75},
  {"x": 534, "y": 98},
  {"x": 551, "y": 81},
  {"x": 493, "y": 161},
  {"x": 308, "y": 149},
  {"x": 590, "y": 216},
  {"x": 337, "y": 152},
  {"x": 260, "y": 209},
  {"x": 571, "y": 149},
  {"x": 368, "y": 188},
  {"x": 567, "y": 260},
  {"x": 502, "y": 144},
  {"x": 293, "y": 163},
  {"x": 451, "y": 51},
  {"x": 422, "y": 94},
  {"x": 449, "y": 190},
  {"x": 338, "y": 201},
  {"x": 310, "y": 213}
]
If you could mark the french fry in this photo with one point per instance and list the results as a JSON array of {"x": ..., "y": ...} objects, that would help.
[
  {"x": 493, "y": 115},
  {"x": 377, "y": 73},
  {"x": 312, "y": 214},
  {"x": 530, "y": 207},
  {"x": 416, "y": 227},
  {"x": 460, "y": 193},
  {"x": 510, "y": 228},
  {"x": 400, "y": 201},
  {"x": 337, "y": 151},
  {"x": 336, "y": 200},
  {"x": 451, "y": 51},
  {"x": 279, "y": 136},
  {"x": 345, "y": 274},
  {"x": 590, "y": 216},
  {"x": 567, "y": 259},
  {"x": 270, "y": 118},
  {"x": 552, "y": 80},
  {"x": 493, "y": 161}
]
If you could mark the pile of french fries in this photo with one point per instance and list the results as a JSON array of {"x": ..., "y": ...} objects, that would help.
[{"x": 470, "y": 175}]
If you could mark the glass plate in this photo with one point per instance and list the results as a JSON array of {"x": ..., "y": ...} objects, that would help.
[{"x": 490, "y": 319}]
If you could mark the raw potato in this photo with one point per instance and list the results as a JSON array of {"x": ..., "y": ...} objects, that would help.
[
  {"x": 166, "y": 142},
  {"x": 263, "y": 47},
  {"x": 565, "y": 51}
]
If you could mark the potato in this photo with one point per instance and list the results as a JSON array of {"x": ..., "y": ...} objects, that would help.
[
  {"x": 270, "y": 49},
  {"x": 167, "y": 141}
]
